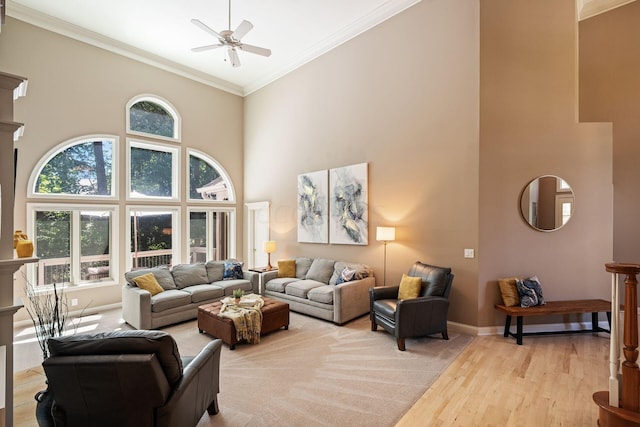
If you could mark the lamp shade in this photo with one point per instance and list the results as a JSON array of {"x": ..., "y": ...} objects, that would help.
[
  {"x": 270, "y": 246},
  {"x": 386, "y": 233}
]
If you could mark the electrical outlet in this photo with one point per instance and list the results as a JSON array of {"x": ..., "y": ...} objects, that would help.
[
  {"x": 74, "y": 301},
  {"x": 469, "y": 253}
]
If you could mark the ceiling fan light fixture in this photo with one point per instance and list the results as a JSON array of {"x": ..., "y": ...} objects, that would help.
[{"x": 231, "y": 39}]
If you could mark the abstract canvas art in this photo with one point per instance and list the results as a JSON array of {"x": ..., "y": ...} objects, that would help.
[
  {"x": 313, "y": 207},
  {"x": 349, "y": 218}
]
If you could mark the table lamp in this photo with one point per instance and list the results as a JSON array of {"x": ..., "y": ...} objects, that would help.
[{"x": 269, "y": 248}]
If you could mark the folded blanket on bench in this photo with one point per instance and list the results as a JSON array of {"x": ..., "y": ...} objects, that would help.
[{"x": 247, "y": 318}]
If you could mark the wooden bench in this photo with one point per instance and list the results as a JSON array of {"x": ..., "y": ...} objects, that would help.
[{"x": 593, "y": 306}]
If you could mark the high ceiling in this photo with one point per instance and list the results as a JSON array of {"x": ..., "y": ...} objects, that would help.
[{"x": 159, "y": 32}]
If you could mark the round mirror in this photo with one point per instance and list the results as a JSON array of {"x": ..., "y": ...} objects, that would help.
[{"x": 546, "y": 203}]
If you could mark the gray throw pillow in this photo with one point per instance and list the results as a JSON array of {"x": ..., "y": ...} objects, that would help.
[
  {"x": 189, "y": 274},
  {"x": 215, "y": 270},
  {"x": 162, "y": 274},
  {"x": 302, "y": 267},
  {"x": 321, "y": 270}
]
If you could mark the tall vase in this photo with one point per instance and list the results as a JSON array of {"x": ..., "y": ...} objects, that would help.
[{"x": 44, "y": 403}]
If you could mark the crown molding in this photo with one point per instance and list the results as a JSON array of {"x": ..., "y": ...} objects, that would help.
[
  {"x": 75, "y": 32},
  {"x": 592, "y": 8},
  {"x": 377, "y": 16},
  {"x": 47, "y": 22}
]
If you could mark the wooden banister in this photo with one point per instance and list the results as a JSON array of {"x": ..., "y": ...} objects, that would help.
[{"x": 621, "y": 405}]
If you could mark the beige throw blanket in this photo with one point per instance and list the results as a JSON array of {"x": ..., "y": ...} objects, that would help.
[{"x": 246, "y": 317}]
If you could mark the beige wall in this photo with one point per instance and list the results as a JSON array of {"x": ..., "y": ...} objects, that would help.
[
  {"x": 76, "y": 89},
  {"x": 454, "y": 104},
  {"x": 402, "y": 97},
  {"x": 610, "y": 90},
  {"x": 528, "y": 128}
]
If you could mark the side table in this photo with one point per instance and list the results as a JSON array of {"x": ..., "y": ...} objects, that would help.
[{"x": 261, "y": 271}]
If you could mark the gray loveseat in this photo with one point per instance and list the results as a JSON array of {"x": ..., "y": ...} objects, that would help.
[
  {"x": 317, "y": 290},
  {"x": 185, "y": 287}
]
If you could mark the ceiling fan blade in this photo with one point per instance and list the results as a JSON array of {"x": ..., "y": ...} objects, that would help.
[
  {"x": 233, "y": 57},
  {"x": 206, "y": 28},
  {"x": 207, "y": 47},
  {"x": 242, "y": 30},
  {"x": 255, "y": 49}
]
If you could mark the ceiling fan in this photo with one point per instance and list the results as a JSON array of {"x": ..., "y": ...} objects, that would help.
[{"x": 231, "y": 39}]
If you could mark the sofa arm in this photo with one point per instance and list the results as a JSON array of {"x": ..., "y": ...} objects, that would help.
[
  {"x": 136, "y": 307},
  {"x": 254, "y": 278},
  {"x": 351, "y": 299},
  {"x": 197, "y": 390}
]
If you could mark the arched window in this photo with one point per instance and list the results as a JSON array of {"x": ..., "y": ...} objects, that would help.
[
  {"x": 152, "y": 116},
  {"x": 82, "y": 167},
  {"x": 208, "y": 180}
]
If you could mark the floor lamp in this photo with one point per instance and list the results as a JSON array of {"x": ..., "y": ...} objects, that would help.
[
  {"x": 385, "y": 234},
  {"x": 269, "y": 248}
]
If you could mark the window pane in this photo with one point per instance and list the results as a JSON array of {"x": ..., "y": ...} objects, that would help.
[
  {"x": 209, "y": 228},
  {"x": 151, "y": 238},
  {"x": 197, "y": 237},
  {"x": 83, "y": 169},
  {"x": 95, "y": 255},
  {"x": 151, "y": 173},
  {"x": 205, "y": 182},
  {"x": 53, "y": 238},
  {"x": 149, "y": 117}
]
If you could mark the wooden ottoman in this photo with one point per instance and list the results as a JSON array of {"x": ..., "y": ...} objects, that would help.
[{"x": 275, "y": 315}]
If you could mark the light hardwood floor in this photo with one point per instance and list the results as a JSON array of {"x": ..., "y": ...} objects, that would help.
[{"x": 548, "y": 381}]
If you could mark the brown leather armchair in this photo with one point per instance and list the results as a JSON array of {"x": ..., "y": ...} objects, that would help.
[
  {"x": 417, "y": 317},
  {"x": 130, "y": 378}
]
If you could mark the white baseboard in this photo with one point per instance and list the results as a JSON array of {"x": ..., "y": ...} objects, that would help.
[{"x": 542, "y": 327}]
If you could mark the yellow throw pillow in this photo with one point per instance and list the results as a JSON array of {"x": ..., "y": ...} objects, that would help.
[
  {"x": 287, "y": 268},
  {"x": 509, "y": 291},
  {"x": 409, "y": 287},
  {"x": 149, "y": 283}
]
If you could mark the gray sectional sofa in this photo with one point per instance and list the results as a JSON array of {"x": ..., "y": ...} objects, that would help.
[
  {"x": 185, "y": 287},
  {"x": 316, "y": 289}
]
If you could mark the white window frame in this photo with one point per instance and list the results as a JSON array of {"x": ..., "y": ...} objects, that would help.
[
  {"x": 115, "y": 170},
  {"x": 221, "y": 170},
  {"x": 177, "y": 120},
  {"x": 176, "y": 253},
  {"x": 175, "y": 169},
  {"x": 209, "y": 245},
  {"x": 114, "y": 245}
]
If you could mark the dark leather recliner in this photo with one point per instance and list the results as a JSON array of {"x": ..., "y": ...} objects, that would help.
[
  {"x": 130, "y": 378},
  {"x": 418, "y": 317}
]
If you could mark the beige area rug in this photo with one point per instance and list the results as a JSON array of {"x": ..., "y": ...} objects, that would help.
[{"x": 315, "y": 373}]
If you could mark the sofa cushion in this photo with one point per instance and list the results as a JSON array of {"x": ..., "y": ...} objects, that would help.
[
  {"x": 123, "y": 342},
  {"x": 205, "y": 292},
  {"x": 232, "y": 270},
  {"x": 287, "y": 268},
  {"x": 300, "y": 288},
  {"x": 215, "y": 270},
  {"x": 321, "y": 270},
  {"x": 170, "y": 299},
  {"x": 323, "y": 294},
  {"x": 149, "y": 283},
  {"x": 162, "y": 274},
  {"x": 189, "y": 274},
  {"x": 362, "y": 271},
  {"x": 302, "y": 267},
  {"x": 229, "y": 285},
  {"x": 279, "y": 284}
]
